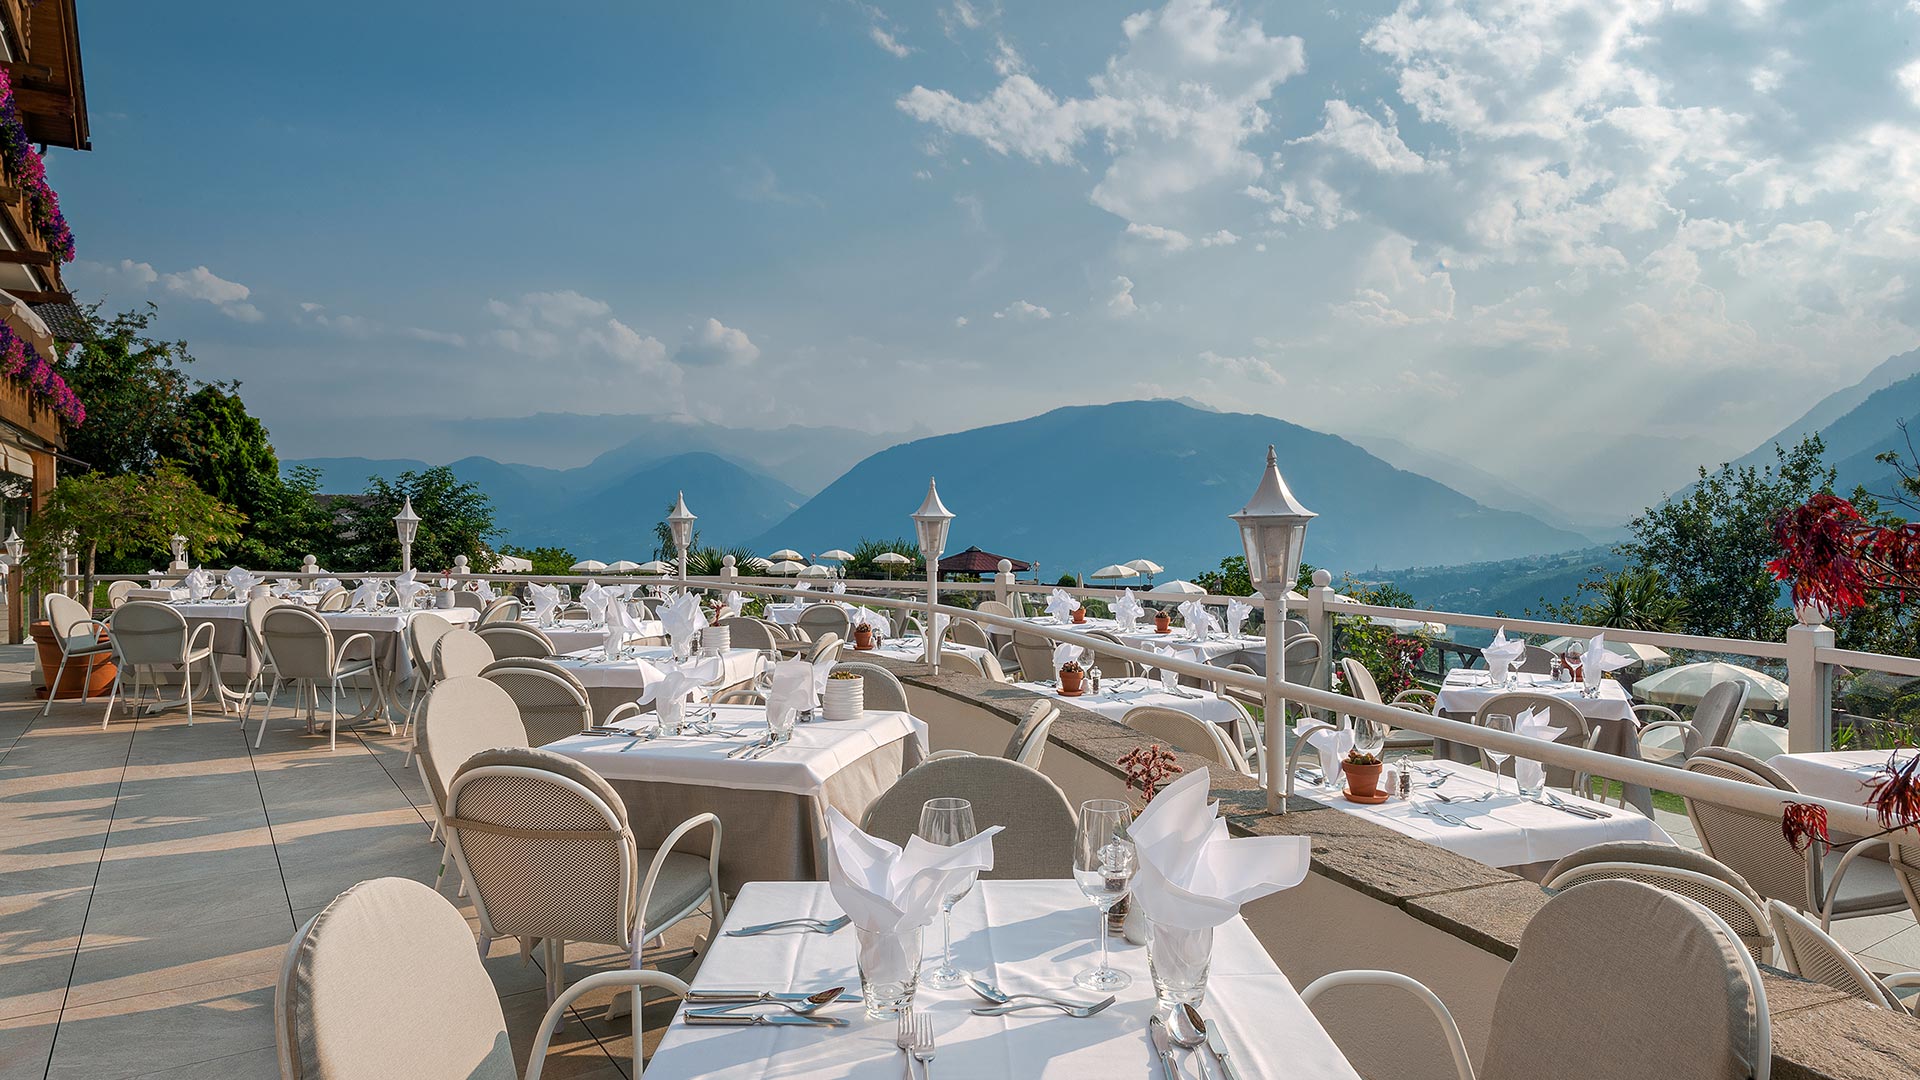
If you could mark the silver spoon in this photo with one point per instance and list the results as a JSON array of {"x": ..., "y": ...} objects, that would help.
[
  {"x": 998, "y": 996},
  {"x": 1187, "y": 1038},
  {"x": 809, "y": 1005},
  {"x": 1079, "y": 1012}
]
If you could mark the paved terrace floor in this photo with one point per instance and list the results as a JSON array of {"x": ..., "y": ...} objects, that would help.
[{"x": 152, "y": 874}]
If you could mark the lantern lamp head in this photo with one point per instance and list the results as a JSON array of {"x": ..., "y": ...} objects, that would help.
[
  {"x": 931, "y": 522},
  {"x": 1273, "y": 530}
]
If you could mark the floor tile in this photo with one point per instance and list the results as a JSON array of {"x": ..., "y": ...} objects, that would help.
[{"x": 128, "y": 1036}]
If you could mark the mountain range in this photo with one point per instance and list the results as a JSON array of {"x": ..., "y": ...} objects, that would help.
[{"x": 1857, "y": 423}]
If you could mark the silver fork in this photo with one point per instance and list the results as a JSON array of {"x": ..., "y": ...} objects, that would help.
[
  {"x": 903, "y": 1038},
  {"x": 923, "y": 1044}
]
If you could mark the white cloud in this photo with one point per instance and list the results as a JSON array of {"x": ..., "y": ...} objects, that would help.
[
  {"x": 1121, "y": 303},
  {"x": 200, "y": 283},
  {"x": 1022, "y": 311},
  {"x": 568, "y": 327},
  {"x": 882, "y": 31},
  {"x": 1171, "y": 239},
  {"x": 1400, "y": 290},
  {"x": 1909, "y": 79},
  {"x": 714, "y": 343},
  {"x": 138, "y": 272},
  {"x": 1356, "y": 133},
  {"x": 885, "y": 39},
  {"x": 437, "y": 337},
  {"x": 1246, "y": 367},
  {"x": 959, "y": 320},
  {"x": 1219, "y": 238},
  {"x": 564, "y": 309}
]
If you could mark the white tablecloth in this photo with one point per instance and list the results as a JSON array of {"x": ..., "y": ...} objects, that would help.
[
  {"x": 1513, "y": 832},
  {"x": 573, "y": 635},
  {"x": 386, "y": 620},
  {"x": 1026, "y": 936},
  {"x": 639, "y": 665},
  {"x": 803, "y": 766},
  {"x": 1143, "y": 636},
  {"x": 914, "y": 649},
  {"x": 1117, "y": 697},
  {"x": 789, "y": 614},
  {"x": 1840, "y": 775},
  {"x": 1465, "y": 690}
]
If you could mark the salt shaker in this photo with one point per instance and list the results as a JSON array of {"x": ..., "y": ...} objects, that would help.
[
  {"x": 1093, "y": 677},
  {"x": 1406, "y": 782}
]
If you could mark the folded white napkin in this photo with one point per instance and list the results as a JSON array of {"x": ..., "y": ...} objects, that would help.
[
  {"x": 683, "y": 619},
  {"x": 1501, "y": 653},
  {"x": 1332, "y": 745},
  {"x": 887, "y": 889},
  {"x": 736, "y": 604},
  {"x": 620, "y": 624},
  {"x": 239, "y": 580},
  {"x": 325, "y": 585},
  {"x": 803, "y": 586},
  {"x": 1197, "y": 619},
  {"x": 1237, "y": 612},
  {"x": 1169, "y": 678},
  {"x": 484, "y": 590},
  {"x": 797, "y": 687},
  {"x": 839, "y": 588},
  {"x": 668, "y": 693},
  {"x": 1534, "y": 724},
  {"x": 595, "y": 596},
  {"x": 546, "y": 601},
  {"x": 199, "y": 583},
  {"x": 1127, "y": 609},
  {"x": 406, "y": 587},
  {"x": 153, "y": 579},
  {"x": 1061, "y": 606},
  {"x": 1191, "y": 874},
  {"x": 867, "y": 617},
  {"x": 367, "y": 595},
  {"x": 1065, "y": 653},
  {"x": 1598, "y": 660},
  {"x": 448, "y": 583}
]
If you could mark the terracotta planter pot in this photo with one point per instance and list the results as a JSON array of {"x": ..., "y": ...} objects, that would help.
[
  {"x": 1162, "y": 624},
  {"x": 1362, "y": 780},
  {"x": 863, "y": 638},
  {"x": 1070, "y": 681},
  {"x": 1079, "y": 614},
  {"x": 94, "y": 673}
]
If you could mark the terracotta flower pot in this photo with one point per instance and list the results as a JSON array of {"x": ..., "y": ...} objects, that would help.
[
  {"x": 1362, "y": 780},
  {"x": 1162, "y": 624},
  {"x": 1070, "y": 681},
  {"x": 863, "y": 638},
  {"x": 95, "y": 673},
  {"x": 1079, "y": 614}
]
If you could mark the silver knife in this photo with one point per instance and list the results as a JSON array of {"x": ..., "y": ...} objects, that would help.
[
  {"x": 1163, "y": 1046},
  {"x": 760, "y": 1020},
  {"x": 1217, "y": 1043},
  {"x": 750, "y": 747},
  {"x": 740, "y": 996}
]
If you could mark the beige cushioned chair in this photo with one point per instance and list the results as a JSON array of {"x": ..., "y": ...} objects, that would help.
[
  {"x": 1712, "y": 724},
  {"x": 1577, "y": 1002},
  {"x": 553, "y": 704},
  {"x": 508, "y": 639},
  {"x": 1677, "y": 870},
  {"x": 79, "y": 636},
  {"x": 385, "y": 982},
  {"x": 882, "y": 691},
  {"x": 460, "y": 653},
  {"x": 147, "y": 637},
  {"x": 504, "y": 609},
  {"x": 1809, "y": 952},
  {"x": 304, "y": 654},
  {"x": 1183, "y": 731},
  {"x": 458, "y": 719},
  {"x": 1038, "y": 841}
]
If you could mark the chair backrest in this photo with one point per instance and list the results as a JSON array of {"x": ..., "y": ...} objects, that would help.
[
  {"x": 994, "y": 607},
  {"x": 424, "y": 631},
  {"x": 406, "y": 940},
  {"x": 968, "y": 632},
  {"x": 1811, "y": 953},
  {"x": 1034, "y": 654},
  {"x": 959, "y": 661},
  {"x": 1749, "y": 842},
  {"x": 1183, "y": 731},
  {"x": 1359, "y": 681},
  {"x": 820, "y": 619},
  {"x": 335, "y": 600},
  {"x": 1112, "y": 665},
  {"x": 1719, "y": 709},
  {"x": 145, "y": 632},
  {"x": 467, "y": 598},
  {"x": 64, "y": 613},
  {"x": 458, "y": 653},
  {"x": 1038, "y": 840},
  {"x": 1535, "y": 661},
  {"x": 745, "y": 633},
  {"x": 299, "y": 641},
  {"x": 826, "y": 650},
  {"x": 1574, "y": 730},
  {"x": 1676, "y": 869},
  {"x": 1572, "y": 1002},
  {"x": 257, "y": 609},
  {"x": 1302, "y": 654},
  {"x": 553, "y": 704},
  {"x": 504, "y": 609},
  {"x": 1028, "y": 744},
  {"x": 513, "y": 639},
  {"x": 117, "y": 592},
  {"x": 882, "y": 690},
  {"x": 458, "y": 719},
  {"x": 546, "y": 847}
]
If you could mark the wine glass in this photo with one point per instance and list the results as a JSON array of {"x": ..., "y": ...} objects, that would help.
[
  {"x": 1370, "y": 736},
  {"x": 948, "y": 822},
  {"x": 1103, "y": 865},
  {"x": 1498, "y": 722}
]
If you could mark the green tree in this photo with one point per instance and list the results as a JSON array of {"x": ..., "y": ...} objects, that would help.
[
  {"x": 709, "y": 561},
  {"x": 126, "y": 515},
  {"x": 547, "y": 561},
  {"x": 663, "y": 548},
  {"x": 456, "y": 518},
  {"x": 135, "y": 388},
  {"x": 862, "y": 565},
  {"x": 1636, "y": 598},
  {"x": 1711, "y": 544},
  {"x": 227, "y": 452},
  {"x": 1230, "y": 580}
]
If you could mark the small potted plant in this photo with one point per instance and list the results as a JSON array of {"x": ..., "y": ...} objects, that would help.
[
  {"x": 1363, "y": 774},
  {"x": 1162, "y": 623},
  {"x": 863, "y": 638},
  {"x": 1072, "y": 677},
  {"x": 845, "y": 697},
  {"x": 1080, "y": 614},
  {"x": 1148, "y": 768}
]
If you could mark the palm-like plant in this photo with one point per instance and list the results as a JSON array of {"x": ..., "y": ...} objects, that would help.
[{"x": 1636, "y": 599}]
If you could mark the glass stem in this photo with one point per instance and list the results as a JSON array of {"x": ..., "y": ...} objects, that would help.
[
  {"x": 947, "y": 933},
  {"x": 1102, "y": 932}
]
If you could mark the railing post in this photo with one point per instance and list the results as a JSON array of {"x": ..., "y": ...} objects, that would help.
[
  {"x": 727, "y": 567},
  {"x": 1003, "y": 583},
  {"x": 1809, "y": 705},
  {"x": 1320, "y": 625}
]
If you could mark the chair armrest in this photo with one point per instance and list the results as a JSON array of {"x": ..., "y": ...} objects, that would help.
[
  {"x": 537, "y": 1059},
  {"x": 195, "y": 636},
  {"x": 660, "y": 859},
  {"x": 1462, "y": 1064},
  {"x": 622, "y": 711},
  {"x": 340, "y": 651},
  {"x": 1425, "y": 699},
  {"x": 938, "y": 755},
  {"x": 1833, "y": 884},
  {"x": 1661, "y": 711},
  {"x": 1689, "y": 738}
]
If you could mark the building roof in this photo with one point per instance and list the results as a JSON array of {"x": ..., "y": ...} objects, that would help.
[
  {"x": 975, "y": 561},
  {"x": 64, "y": 319}
]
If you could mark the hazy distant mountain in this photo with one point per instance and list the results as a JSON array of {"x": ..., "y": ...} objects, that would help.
[
  {"x": 1857, "y": 424},
  {"x": 1470, "y": 480},
  {"x": 600, "y": 511},
  {"x": 1893, "y": 369},
  {"x": 1080, "y": 487},
  {"x": 1507, "y": 587}
]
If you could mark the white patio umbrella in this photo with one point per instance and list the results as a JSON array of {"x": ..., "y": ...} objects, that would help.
[
  {"x": 512, "y": 564},
  {"x": 757, "y": 564},
  {"x": 1648, "y": 656},
  {"x": 787, "y": 566},
  {"x": 891, "y": 559},
  {"x": 654, "y": 567},
  {"x": 817, "y": 571},
  {"x": 1114, "y": 573},
  {"x": 588, "y": 566},
  {"x": 1147, "y": 567},
  {"x": 1688, "y": 683},
  {"x": 785, "y": 555},
  {"x": 624, "y": 566},
  {"x": 836, "y": 555},
  {"x": 1176, "y": 587}
]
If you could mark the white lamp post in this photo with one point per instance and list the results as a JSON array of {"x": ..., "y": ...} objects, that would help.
[
  {"x": 930, "y": 522},
  {"x": 680, "y": 524},
  {"x": 1273, "y": 530},
  {"x": 406, "y": 525},
  {"x": 16, "y": 551}
]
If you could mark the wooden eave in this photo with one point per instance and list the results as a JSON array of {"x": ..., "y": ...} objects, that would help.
[{"x": 49, "y": 87}]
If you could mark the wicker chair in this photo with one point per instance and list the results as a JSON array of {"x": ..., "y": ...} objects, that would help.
[
  {"x": 1809, "y": 952},
  {"x": 505, "y": 609},
  {"x": 995, "y": 607},
  {"x": 460, "y": 653},
  {"x": 1111, "y": 665},
  {"x": 458, "y": 719},
  {"x": 1183, "y": 731},
  {"x": 553, "y": 704},
  {"x": 1035, "y": 657},
  {"x": 146, "y": 637},
  {"x": 548, "y": 853},
  {"x": 117, "y": 592},
  {"x": 1562, "y": 1011},
  {"x": 79, "y": 636},
  {"x": 960, "y": 661},
  {"x": 511, "y": 639},
  {"x": 1752, "y": 844},
  {"x": 1678, "y": 870},
  {"x": 826, "y": 650},
  {"x": 882, "y": 691},
  {"x": 967, "y": 632},
  {"x": 1535, "y": 661},
  {"x": 467, "y": 598},
  {"x": 1040, "y": 824},
  {"x": 1712, "y": 724},
  {"x": 415, "y": 947},
  {"x": 819, "y": 620},
  {"x": 302, "y": 648},
  {"x": 746, "y": 633},
  {"x": 335, "y": 600}
]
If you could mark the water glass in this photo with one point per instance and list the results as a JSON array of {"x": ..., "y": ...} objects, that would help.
[
  {"x": 1103, "y": 866},
  {"x": 1498, "y": 722},
  {"x": 673, "y": 715},
  {"x": 1178, "y": 960},
  {"x": 948, "y": 822},
  {"x": 889, "y": 970}
]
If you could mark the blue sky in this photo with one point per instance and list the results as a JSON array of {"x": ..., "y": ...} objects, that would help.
[{"x": 1595, "y": 227}]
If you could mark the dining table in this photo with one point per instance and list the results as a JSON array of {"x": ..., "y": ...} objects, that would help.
[
  {"x": 612, "y": 683},
  {"x": 1216, "y": 646},
  {"x": 789, "y": 614},
  {"x": 1117, "y": 697},
  {"x": 772, "y": 802},
  {"x": 1841, "y": 775},
  {"x": 573, "y": 635},
  {"x": 1024, "y": 937},
  {"x": 1488, "y": 823},
  {"x": 1609, "y": 714}
]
